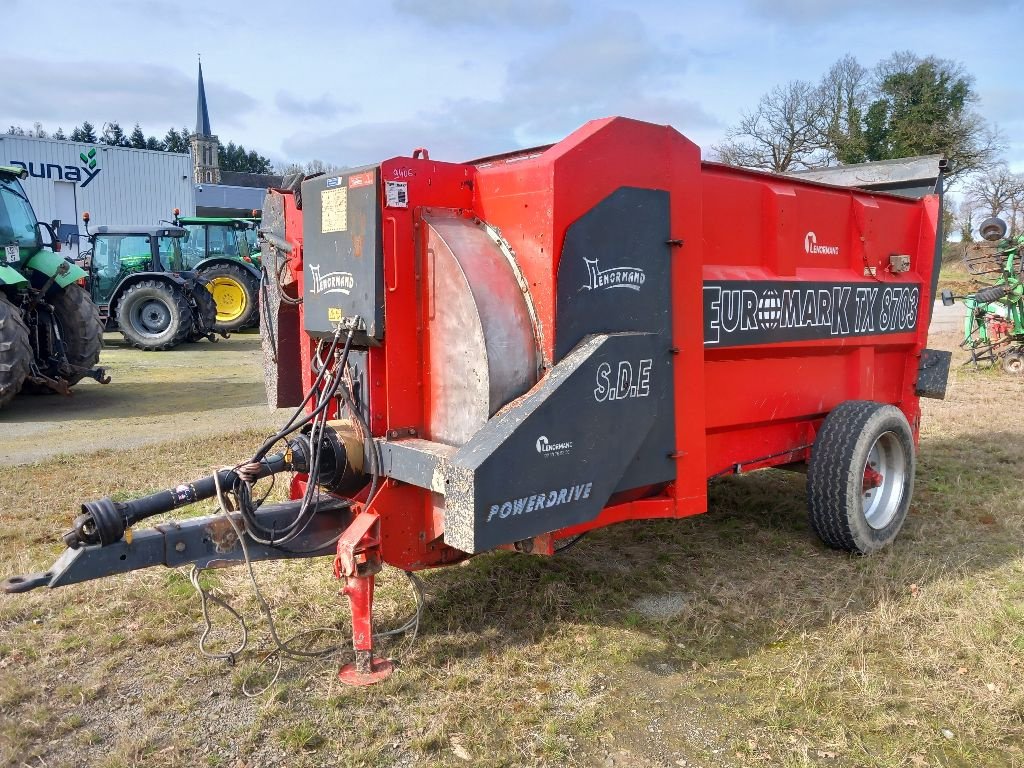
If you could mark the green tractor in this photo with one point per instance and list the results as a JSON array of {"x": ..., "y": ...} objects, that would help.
[
  {"x": 219, "y": 249},
  {"x": 138, "y": 280},
  {"x": 50, "y": 329},
  {"x": 994, "y": 324}
]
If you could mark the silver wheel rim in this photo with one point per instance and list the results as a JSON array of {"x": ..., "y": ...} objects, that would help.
[
  {"x": 885, "y": 480},
  {"x": 151, "y": 317}
]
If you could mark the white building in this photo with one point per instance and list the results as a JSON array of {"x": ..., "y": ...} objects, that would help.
[{"x": 116, "y": 185}]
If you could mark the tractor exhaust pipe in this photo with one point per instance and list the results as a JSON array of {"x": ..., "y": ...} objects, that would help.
[{"x": 105, "y": 521}]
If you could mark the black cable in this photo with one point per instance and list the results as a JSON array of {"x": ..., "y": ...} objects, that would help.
[{"x": 275, "y": 537}]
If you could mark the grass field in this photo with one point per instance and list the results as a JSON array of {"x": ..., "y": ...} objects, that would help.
[{"x": 731, "y": 639}]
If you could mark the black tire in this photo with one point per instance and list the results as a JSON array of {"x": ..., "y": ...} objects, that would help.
[
  {"x": 234, "y": 317},
  {"x": 206, "y": 310},
  {"x": 1013, "y": 362},
  {"x": 860, "y": 437},
  {"x": 81, "y": 328},
  {"x": 15, "y": 351},
  {"x": 154, "y": 315}
]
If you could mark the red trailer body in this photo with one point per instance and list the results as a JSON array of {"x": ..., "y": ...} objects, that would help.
[{"x": 784, "y": 304}]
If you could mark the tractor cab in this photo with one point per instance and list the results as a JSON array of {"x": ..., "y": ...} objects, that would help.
[{"x": 211, "y": 237}]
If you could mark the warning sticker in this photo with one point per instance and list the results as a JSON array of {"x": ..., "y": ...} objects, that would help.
[
  {"x": 335, "y": 315},
  {"x": 396, "y": 194},
  {"x": 357, "y": 180},
  {"x": 334, "y": 209}
]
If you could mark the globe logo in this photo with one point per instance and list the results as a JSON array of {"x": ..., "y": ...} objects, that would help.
[{"x": 769, "y": 309}]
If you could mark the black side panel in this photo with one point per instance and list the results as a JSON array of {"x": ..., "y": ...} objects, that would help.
[
  {"x": 553, "y": 457},
  {"x": 343, "y": 255},
  {"x": 614, "y": 276}
]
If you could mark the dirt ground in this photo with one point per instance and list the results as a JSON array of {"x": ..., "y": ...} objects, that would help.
[{"x": 195, "y": 390}]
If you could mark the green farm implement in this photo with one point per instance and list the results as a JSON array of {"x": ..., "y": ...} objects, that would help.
[{"x": 994, "y": 324}]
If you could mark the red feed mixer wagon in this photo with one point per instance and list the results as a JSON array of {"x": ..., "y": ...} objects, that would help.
[{"x": 510, "y": 352}]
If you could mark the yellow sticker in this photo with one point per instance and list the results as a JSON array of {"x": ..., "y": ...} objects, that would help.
[
  {"x": 334, "y": 207},
  {"x": 334, "y": 314}
]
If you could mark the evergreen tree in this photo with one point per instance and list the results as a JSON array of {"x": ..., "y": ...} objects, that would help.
[
  {"x": 59, "y": 135},
  {"x": 86, "y": 133},
  {"x": 153, "y": 143},
  {"x": 114, "y": 135},
  {"x": 176, "y": 141},
  {"x": 924, "y": 107},
  {"x": 138, "y": 138}
]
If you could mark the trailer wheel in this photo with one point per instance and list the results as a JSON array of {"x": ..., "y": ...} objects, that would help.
[
  {"x": 861, "y": 476},
  {"x": 153, "y": 315},
  {"x": 82, "y": 330},
  {"x": 237, "y": 295},
  {"x": 1013, "y": 362},
  {"x": 15, "y": 351},
  {"x": 206, "y": 308}
]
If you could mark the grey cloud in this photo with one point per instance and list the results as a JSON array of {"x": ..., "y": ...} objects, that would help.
[
  {"x": 612, "y": 67},
  {"x": 493, "y": 13},
  {"x": 67, "y": 93},
  {"x": 324, "y": 106},
  {"x": 818, "y": 11}
]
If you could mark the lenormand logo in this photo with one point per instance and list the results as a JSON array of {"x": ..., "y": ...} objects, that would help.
[
  {"x": 332, "y": 282},
  {"x": 616, "y": 277},
  {"x": 82, "y": 176},
  {"x": 546, "y": 448},
  {"x": 811, "y": 246}
]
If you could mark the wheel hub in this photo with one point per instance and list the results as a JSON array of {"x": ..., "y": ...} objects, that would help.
[
  {"x": 884, "y": 480},
  {"x": 229, "y": 297},
  {"x": 153, "y": 317}
]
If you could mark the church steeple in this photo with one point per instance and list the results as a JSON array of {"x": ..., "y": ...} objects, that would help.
[
  {"x": 204, "y": 143},
  {"x": 202, "y": 112}
]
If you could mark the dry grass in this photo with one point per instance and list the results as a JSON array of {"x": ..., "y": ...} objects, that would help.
[{"x": 777, "y": 651}]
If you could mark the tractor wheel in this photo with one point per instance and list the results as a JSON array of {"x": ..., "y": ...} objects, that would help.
[
  {"x": 207, "y": 312},
  {"x": 861, "y": 476},
  {"x": 15, "y": 351},
  {"x": 82, "y": 330},
  {"x": 1013, "y": 362},
  {"x": 153, "y": 315},
  {"x": 236, "y": 293}
]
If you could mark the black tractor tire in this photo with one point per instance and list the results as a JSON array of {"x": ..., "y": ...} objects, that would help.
[
  {"x": 1013, "y": 362},
  {"x": 15, "y": 351},
  {"x": 242, "y": 289},
  {"x": 154, "y": 315},
  {"x": 81, "y": 328},
  {"x": 992, "y": 293},
  {"x": 860, "y": 478},
  {"x": 207, "y": 312}
]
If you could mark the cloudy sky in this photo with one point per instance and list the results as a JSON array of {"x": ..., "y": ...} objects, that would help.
[{"x": 354, "y": 82}]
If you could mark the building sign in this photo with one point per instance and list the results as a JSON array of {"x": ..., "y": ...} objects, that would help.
[{"x": 81, "y": 175}]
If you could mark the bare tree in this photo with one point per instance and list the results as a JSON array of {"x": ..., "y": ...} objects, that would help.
[
  {"x": 965, "y": 213},
  {"x": 844, "y": 94},
  {"x": 783, "y": 133},
  {"x": 997, "y": 191}
]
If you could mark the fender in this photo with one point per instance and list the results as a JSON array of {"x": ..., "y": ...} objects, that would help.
[
  {"x": 253, "y": 270},
  {"x": 53, "y": 265},
  {"x": 12, "y": 277}
]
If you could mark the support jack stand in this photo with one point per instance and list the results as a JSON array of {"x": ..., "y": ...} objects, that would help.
[{"x": 357, "y": 561}]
